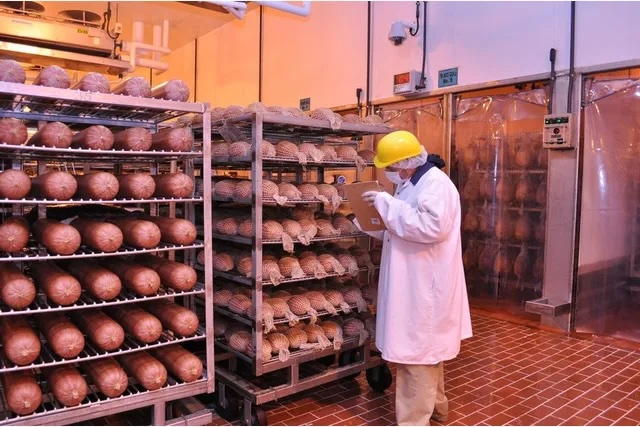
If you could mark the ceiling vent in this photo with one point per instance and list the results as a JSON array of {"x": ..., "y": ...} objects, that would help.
[
  {"x": 81, "y": 17},
  {"x": 22, "y": 7}
]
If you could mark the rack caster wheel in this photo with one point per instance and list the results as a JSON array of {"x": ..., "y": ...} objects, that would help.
[
  {"x": 347, "y": 358},
  {"x": 258, "y": 417},
  {"x": 379, "y": 378}
]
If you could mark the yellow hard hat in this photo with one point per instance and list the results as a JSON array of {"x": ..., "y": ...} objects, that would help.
[{"x": 396, "y": 146}]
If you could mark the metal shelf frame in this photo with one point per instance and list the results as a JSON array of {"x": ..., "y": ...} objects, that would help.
[{"x": 37, "y": 104}]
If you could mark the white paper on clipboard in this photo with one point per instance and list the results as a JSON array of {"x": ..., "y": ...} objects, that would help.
[{"x": 367, "y": 216}]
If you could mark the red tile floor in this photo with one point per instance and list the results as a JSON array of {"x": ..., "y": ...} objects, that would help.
[{"x": 507, "y": 374}]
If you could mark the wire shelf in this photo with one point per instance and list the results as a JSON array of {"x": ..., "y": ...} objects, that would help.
[
  {"x": 236, "y": 277},
  {"x": 42, "y": 305},
  {"x": 245, "y": 161},
  {"x": 39, "y": 253},
  {"x": 250, "y": 321},
  {"x": 249, "y": 240},
  {"x": 31, "y": 201},
  {"x": 48, "y": 358}
]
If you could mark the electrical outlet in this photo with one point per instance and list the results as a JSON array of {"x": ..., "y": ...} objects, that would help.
[{"x": 118, "y": 28}]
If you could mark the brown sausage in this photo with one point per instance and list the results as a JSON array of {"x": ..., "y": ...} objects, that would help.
[
  {"x": 138, "y": 323},
  {"x": 53, "y": 76},
  {"x": 178, "y": 185},
  {"x": 52, "y": 135},
  {"x": 99, "y": 282},
  {"x": 12, "y": 131},
  {"x": 64, "y": 338},
  {"x": 178, "y": 319},
  {"x": 102, "y": 330},
  {"x": 56, "y": 185},
  {"x": 16, "y": 290},
  {"x": 20, "y": 343},
  {"x": 67, "y": 385},
  {"x": 180, "y": 362},
  {"x": 175, "y": 230},
  {"x": 172, "y": 90},
  {"x": 107, "y": 375},
  {"x": 14, "y": 234},
  {"x": 134, "y": 139},
  {"x": 97, "y": 186},
  {"x": 137, "y": 278},
  {"x": 174, "y": 139},
  {"x": 176, "y": 275},
  {"x": 11, "y": 71},
  {"x": 59, "y": 286},
  {"x": 22, "y": 392},
  {"x": 93, "y": 82},
  {"x": 137, "y": 232},
  {"x": 136, "y": 186},
  {"x": 14, "y": 184},
  {"x": 58, "y": 238},
  {"x": 133, "y": 86},
  {"x": 145, "y": 368},
  {"x": 99, "y": 235},
  {"x": 95, "y": 137}
]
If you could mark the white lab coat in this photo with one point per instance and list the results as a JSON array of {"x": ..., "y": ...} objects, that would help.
[{"x": 423, "y": 309}]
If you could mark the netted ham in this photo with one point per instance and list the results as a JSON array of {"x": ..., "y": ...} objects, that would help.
[
  {"x": 93, "y": 82},
  {"x": 521, "y": 267},
  {"x": 309, "y": 228},
  {"x": 363, "y": 259},
  {"x": 233, "y": 111},
  {"x": 241, "y": 341},
  {"x": 242, "y": 190},
  {"x": 245, "y": 229},
  {"x": 289, "y": 150},
  {"x": 343, "y": 225},
  {"x": 376, "y": 255},
  {"x": 502, "y": 263},
  {"x": 296, "y": 112},
  {"x": 294, "y": 231},
  {"x": 267, "y": 315},
  {"x": 326, "y": 229},
  {"x": 272, "y": 230},
  {"x": 53, "y": 76},
  {"x": 374, "y": 119},
  {"x": 232, "y": 329},
  {"x": 349, "y": 263},
  {"x": 222, "y": 262},
  {"x": 227, "y": 226},
  {"x": 312, "y": 267},
  {"x": 333, "y": 331},
  {"x": 239, "y": 304},
  {"x": 245, "y": 266},
  {"x": 328, "y": 151},
  {"x": 290, "y": 267},
  {"x": 200, "y": 258},
  {"x": 311, "y": 152},
  {"x": 133, "y": 86},
  {"x": 319, "y": 302},
  {"x": 171, "y": 90},
  {"x": 268, "y": 149},
  {"x": 225, "y": 188},
  {"x": 298, "y": 339},
  {"x": 288, "y": 190},
  {"x": 369, "y": 321},
  {"x": 367, "y": 155},
  {"x": 352, "y": 118},
  {"x": 270, "y": 191},
  {"x": 301, "y": 306},
  {"x": 217, "y": 113},
  {"x": 220, "y": 327},
  {"x": 280, "y": 345},
  {"x": 299, "y": 213},
  {"x": 353, "y": 296},
  {"x": 266, "y": 350},
  {"x": 369, "y": 293},
  {"x": 327, "y": 115},
  {"x": 239, "y": 149},
  {"x": 271, "y": 272},
  {"x": 330, "y": 193},
  {"x": 355, "y": 328},
  {"x": 331, "y": 264},
  {"x": 336, "y": 298},
  {"x": 280, "y": 111},
  {"x": 523, "y": 229},
  {"x": 315, "y": 334},
  {"x": 221, "y": 297},
  {"x": 11, "y": 71},
  {"x": 525, "y": 191},
  {"x": 256, "y": 107},
  {"x": 348, "y": 153}
]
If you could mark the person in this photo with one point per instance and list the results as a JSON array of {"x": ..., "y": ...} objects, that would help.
[{"x": 422, "y": 309}]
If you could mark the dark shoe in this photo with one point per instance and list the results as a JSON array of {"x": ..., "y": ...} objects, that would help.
[{"x": 441, "y": 418}]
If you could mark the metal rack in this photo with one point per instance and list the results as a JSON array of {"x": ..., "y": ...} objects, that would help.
[
  {"x": 36, "y": 104},
  {"x": 247, "y": 379}
]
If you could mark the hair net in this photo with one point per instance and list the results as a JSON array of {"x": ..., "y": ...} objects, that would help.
[{"x": 412, "y": 162}]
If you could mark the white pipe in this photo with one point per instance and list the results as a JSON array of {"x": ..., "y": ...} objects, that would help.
[
  {"x": 224, "y": 3},
  {"x": 138, "y": 31},
  {"x": 144, "y": 48},
  {"x": 144, "y": 62},
  {"x": 235, "y": 12},
  {"x": 165, "y": 34},
  {"x": 157, "y": 40},
  {"x": 284, "y": 6}
]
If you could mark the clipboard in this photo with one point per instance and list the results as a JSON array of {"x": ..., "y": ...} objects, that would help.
[{"x": 367, "y": 216}]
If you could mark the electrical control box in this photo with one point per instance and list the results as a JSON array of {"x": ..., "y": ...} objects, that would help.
[
  {"x": 404, "y": 84},
  {"x": 556, "y": 133}
]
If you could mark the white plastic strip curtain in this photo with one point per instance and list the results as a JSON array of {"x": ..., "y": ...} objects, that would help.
[
  {"x": 609, "y": 252},
  {"x": 425, "y": 122},
  {"x": 500, "y": 169}
]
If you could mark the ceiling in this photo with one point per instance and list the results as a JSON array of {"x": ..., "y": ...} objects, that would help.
[{"x": 187, "y": 21}]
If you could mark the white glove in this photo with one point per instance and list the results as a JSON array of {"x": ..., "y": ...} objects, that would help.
[{"x": 370, "y": 196}]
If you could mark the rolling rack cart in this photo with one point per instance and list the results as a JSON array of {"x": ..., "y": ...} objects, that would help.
[
  {"x": 36, "y": 105},
  {"x": 244, "y": 381}
]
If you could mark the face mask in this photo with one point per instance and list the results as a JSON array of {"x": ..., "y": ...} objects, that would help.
[{"x": 394, "y": 177}]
